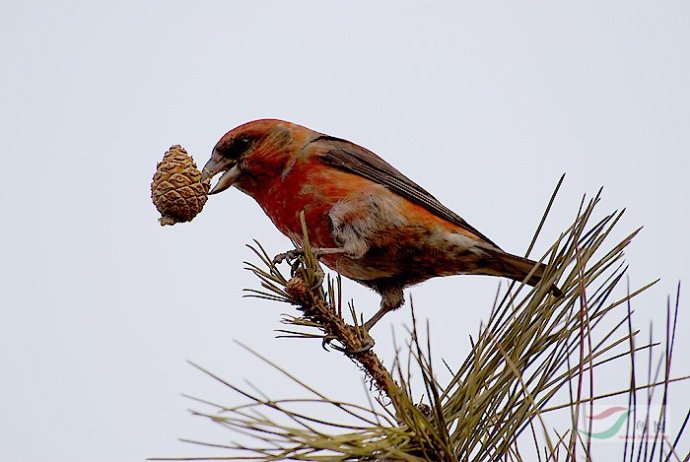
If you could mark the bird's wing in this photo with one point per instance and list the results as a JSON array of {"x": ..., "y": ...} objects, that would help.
[{"x": 351, "y": 158}]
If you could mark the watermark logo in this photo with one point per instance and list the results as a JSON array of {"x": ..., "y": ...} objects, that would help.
[{"x": 621, "y": 423}]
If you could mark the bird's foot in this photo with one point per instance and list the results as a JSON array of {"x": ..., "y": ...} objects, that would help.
[
  {"x": 368, "y": 345},
  {"x": 326, "y": 341},
  {"x": 289, "y": 256},
  {"x": 366, "y": 340},
  {"x": 292, "y": 255}
]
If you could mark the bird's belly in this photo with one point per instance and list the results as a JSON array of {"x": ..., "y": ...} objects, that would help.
[{"x": 411, "y": 256}]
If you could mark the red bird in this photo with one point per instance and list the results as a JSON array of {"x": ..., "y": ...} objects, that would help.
[{"x": 370, "y": 222}]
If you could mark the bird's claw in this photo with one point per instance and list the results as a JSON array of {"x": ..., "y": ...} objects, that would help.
[
  {"x": 366, "y": 341},
  {"x": 363, "y": 349},
  {"x": 328, "y": 339},
  {"x": 292, "y": 257},
  {"x": 289, "y": 256},
  {"x": 294, "y": 254}
]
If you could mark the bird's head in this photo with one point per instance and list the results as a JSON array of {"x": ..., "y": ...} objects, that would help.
[{"x": 252, "y": 154}]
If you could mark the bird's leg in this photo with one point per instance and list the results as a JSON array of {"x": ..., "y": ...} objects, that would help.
[
  {"x": 375, "y": 318},
  {"x": 321, "y": 251},
  {"x": 318, "y": 252},
  {"x": 391, "y": 299},
  {"x": 288, "y": 256}
]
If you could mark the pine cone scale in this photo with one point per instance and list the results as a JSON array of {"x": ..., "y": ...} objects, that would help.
[{"x": 176, "y": 189}]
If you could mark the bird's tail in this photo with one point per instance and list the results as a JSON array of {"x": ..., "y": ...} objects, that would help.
[{"x": 517, "y": 268}]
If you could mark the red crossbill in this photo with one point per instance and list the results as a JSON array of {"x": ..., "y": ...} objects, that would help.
[{"x": 370, "y": 222}]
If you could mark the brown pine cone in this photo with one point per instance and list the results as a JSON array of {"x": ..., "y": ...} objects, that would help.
[
  {"x": 176, "y": 190},
  {"x": 296, "y": 289}
]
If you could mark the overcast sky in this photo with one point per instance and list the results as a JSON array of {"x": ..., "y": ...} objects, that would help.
[{"x": 485, "y": 104}]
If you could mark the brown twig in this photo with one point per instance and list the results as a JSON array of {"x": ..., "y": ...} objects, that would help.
[{"x": 305, "y": 289}]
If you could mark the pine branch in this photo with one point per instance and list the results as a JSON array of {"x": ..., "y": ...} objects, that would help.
[{"x": 533, "y": 347}]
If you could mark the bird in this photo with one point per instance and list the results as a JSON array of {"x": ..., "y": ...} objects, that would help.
[{"x": 367, "y": 221}]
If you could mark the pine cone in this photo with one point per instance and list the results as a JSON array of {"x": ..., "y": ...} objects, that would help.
[
  {"x": 296, "y": 289},
  {"x": 177, "y": 190}
]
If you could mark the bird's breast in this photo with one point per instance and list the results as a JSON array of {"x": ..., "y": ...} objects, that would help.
[
  {"x": 308, "y": 187},
  {"x": 385, "y": 235}
]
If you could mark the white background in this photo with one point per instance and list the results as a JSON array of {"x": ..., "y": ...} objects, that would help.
[{"x": 485, "y": 104}]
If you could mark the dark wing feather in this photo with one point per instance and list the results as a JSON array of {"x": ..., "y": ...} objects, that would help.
[{"x": 355, "y": 159}]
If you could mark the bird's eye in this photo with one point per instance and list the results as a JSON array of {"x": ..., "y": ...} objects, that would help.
[{"x": 235, "y": 147}]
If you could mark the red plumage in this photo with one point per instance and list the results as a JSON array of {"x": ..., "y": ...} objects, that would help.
[{"x": 374, "y": 225}]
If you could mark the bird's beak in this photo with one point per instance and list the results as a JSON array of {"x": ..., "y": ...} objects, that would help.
[{"x": 217, "y": 164}]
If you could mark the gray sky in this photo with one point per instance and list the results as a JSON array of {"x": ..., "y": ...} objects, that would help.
[{"x": 484, "y": 104}]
